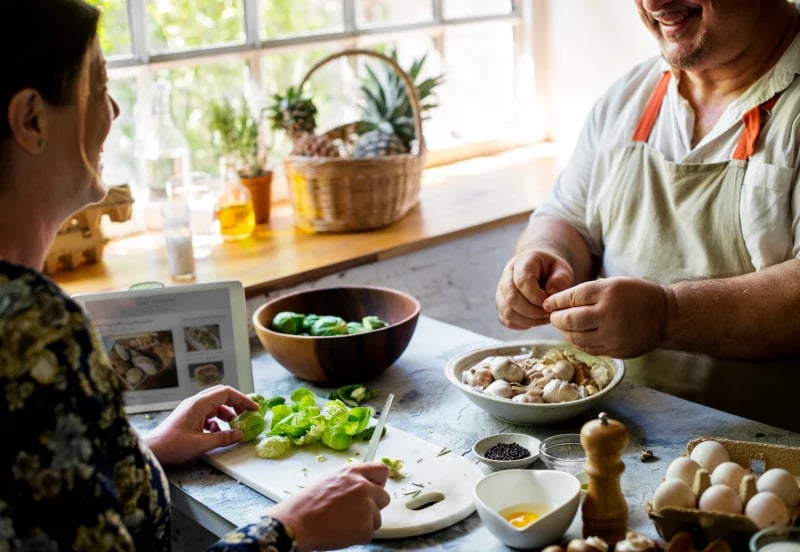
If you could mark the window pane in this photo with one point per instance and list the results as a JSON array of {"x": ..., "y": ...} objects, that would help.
[
  {"x": 119, "y": 162},
  {"x": 114, "y": 36},
  {"x": 175, "y": 25},
  {"x": 331, "y": 87},
  {"x": 281, "y": 18},
  {"x": 377, "y": 13},
  {"x": 472, "y": 8},
  {"x": 479, "y": 91},
  {"x": 192, "y": 87},
  {"x": 409, "y": 50}
]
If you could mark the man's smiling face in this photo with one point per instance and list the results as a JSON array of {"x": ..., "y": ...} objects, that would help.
[{"x": 701, "y": 34}]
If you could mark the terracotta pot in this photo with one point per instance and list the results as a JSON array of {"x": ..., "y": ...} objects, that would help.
[{"x": 261, "y": 191}]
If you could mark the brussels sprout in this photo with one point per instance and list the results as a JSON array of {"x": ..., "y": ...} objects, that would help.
[
  {"x": 355, "y": 327},
  {"x": 261, "y": 400},
  {"x": 329, "y": 325},
  {"x": 373, "y": 322},
  {"x": 273, "y": 446},
  {"x": 308, "y": 322},
  {"x": 288, "y": 322},
  {"x": 251, "y": 423}
]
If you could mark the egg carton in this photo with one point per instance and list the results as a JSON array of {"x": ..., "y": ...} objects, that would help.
[{"x": 736, "y": 529}]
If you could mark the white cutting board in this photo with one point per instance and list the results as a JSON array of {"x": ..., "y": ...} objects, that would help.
[{"x": 447, "y": 477}]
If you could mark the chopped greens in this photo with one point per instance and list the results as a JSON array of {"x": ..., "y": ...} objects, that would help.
[
  {"x": 301, "y": 422},
  {"x": 353, "y": 395},
  {"x": 394, "y": 467}
]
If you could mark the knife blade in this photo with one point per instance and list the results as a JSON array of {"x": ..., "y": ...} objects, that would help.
[{"x": 372, "y": 447}]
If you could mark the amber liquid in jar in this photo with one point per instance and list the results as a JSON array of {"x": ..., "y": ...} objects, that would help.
[{"x": 236, "y": 220}]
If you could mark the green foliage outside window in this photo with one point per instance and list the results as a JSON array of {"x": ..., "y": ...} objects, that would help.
[
  {"x": 175, "y": 25},
  {"x": 113, "y": 32}
]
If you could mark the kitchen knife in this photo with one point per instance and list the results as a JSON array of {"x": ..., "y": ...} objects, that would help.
[{"x": 372, "y": 447}]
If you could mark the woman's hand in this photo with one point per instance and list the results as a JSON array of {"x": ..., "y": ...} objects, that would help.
[
  {"x": 339, "y": 511},
  {"x": 192, "y": 429}
]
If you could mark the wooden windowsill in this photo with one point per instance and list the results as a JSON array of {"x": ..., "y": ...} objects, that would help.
[{"x": 455, "y": 200}]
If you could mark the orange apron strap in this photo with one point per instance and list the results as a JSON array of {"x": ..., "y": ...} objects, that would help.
[
  {"x": 753, "y": 121},
  {"x": 648, "y": 119}
]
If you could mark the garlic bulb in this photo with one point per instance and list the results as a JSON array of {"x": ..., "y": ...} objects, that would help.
[
  {"x": 559, "y": 391},
  {"x": 500, "y": 388},
  {"x": 503, "y": 368}
]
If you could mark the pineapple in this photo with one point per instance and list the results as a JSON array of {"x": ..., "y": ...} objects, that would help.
[
  {"x": 386, "y": 110},
  {"x": 293, "y": 113},
  {"x": 315, "y": 146},
  {"x": 377, "y": 143}
]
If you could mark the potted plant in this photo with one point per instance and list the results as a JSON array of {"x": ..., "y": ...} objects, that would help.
[{"x": 238, "y": 138}]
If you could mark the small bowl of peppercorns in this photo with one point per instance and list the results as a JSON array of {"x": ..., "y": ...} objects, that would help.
[{"x": 504, "y": 451}]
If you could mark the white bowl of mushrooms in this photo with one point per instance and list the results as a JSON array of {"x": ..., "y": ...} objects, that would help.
[{"x": 534, "y": 383}]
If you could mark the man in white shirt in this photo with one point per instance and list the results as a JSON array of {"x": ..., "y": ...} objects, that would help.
[{"x": 683, "y": 196}]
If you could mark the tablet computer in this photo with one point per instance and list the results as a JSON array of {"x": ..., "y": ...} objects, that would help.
[{"x": 167, "y": 343}]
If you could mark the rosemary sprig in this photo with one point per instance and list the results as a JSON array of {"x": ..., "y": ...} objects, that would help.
[{"x": 444, "y": 451}]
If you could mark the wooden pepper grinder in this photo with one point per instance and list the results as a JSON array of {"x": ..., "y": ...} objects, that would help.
[{"x": 604, "y": 510}]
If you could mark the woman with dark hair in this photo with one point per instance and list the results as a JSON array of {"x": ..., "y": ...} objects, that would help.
[{"x": 73, "y": 473}]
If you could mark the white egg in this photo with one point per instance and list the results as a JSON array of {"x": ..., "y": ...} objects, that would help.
[
  {"x": 709, "y": 454},
  {"x": 673, "y": 492},
  {"x": 682, "y": 468},
  {"x": 766, "y": 509},
  {"x": 782, "y": 483},
  {"x": 728, "y": 473},
  {"x": 720, "y": 498}
]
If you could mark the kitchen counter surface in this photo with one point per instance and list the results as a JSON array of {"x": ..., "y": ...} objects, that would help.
[{"x": 429, "y": 407}]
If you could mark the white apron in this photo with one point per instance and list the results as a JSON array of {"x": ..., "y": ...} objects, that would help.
[{"x": 667, "y": 222}]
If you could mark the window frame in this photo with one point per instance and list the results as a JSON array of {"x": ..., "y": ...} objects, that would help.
[{"x": 142, "y": 65}]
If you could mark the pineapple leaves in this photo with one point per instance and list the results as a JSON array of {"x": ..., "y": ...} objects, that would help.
[{"x": 386, "y": 105}]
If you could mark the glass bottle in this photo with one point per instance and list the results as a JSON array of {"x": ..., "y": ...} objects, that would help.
[
  {"x": 177, "y": 219},
  {"x": 165, "y": 153},
  {"x": 234, "y": 207}
]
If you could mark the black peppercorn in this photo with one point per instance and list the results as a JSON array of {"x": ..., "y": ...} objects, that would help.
[{"x": 507, "y": 451}]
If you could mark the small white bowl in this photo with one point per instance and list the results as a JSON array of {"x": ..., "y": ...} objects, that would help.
[
  {"x": 554, "y": 494},
  {"x": 532, "y": 444}
]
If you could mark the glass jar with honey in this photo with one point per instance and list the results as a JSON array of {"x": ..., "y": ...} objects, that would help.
[{"x": 234, "y": 207}]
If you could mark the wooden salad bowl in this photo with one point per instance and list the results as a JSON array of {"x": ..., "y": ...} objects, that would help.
[{"x": 340, "y": 359}]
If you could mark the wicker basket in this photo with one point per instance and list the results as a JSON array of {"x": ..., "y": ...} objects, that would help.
[{"x": 334, "y": 194}]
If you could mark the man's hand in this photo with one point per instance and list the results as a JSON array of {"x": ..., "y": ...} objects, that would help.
[
  {"x": 527, "y": 280},
  {"x": 618, "y": 317}
]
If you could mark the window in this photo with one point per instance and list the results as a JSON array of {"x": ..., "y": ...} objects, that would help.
[{"x": 214, "y": 48}]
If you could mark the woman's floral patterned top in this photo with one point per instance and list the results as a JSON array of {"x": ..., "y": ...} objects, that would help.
[{"x": 73, "y": 473}]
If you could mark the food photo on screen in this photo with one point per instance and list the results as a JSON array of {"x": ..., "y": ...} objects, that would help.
[
  {"x": 207, "y": 373},
  {"x": 202, "y": 338},
  {"x": 144, "y": 360}
]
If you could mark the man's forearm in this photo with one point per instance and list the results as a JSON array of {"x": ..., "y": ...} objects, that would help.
[
  {"x": 560, "y": 238},
  {"x": 751, "y": 317}
]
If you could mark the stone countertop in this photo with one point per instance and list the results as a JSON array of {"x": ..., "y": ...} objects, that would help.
[{"x": 429, "y": 407}]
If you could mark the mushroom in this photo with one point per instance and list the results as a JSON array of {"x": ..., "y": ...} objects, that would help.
[{"x": 589, "y": 544}]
